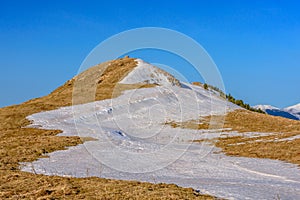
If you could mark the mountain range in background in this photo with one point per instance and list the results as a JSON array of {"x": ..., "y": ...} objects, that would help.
[{"x": 292, "y": 112}]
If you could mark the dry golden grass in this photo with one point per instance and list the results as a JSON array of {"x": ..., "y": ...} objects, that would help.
[
  {"x": 288, "y": 151},
  {"x": 263, "y": 146},
  {"x": 258, "y": 147},
  {"x": 17, "y": 185},
  {"x": 247, "y": 121},
  {"x": 197, "y": 84},
  {"x": 20, "y": 144},
  {"x": 192, "y": 124}
]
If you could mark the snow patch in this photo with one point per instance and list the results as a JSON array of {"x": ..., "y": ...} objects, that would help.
[{"x": 147, "y": 73}]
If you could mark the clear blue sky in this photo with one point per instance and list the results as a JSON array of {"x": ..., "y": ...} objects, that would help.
[{"x": 255, "y": 44}]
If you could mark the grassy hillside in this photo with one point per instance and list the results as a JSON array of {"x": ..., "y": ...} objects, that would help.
[
  {"x": 19, "y": 144},
  {"x": 276, "y": 145}
]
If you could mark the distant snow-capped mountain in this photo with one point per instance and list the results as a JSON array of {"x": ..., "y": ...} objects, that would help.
[
  {"x": 266, "y": 107},
  {"x": 292, "y": 112}
]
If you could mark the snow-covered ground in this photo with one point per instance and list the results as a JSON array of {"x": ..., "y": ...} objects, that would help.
[
  {"x": 216, "y": 174},
  {"x": 133, "y": 125},
  {"x": 133, "y": 143},
  {"x": 145, "y": 72}
]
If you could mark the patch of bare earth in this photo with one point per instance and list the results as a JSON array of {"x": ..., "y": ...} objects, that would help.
[
  {"x": 19, "y": 144},
  {"x": 276, "y": 145}
]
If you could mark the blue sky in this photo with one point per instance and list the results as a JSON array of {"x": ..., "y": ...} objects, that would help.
[{"x": 255, "y": 44}]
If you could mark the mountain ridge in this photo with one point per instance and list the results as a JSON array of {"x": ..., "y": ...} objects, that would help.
[{"x": 291, "y": 112}]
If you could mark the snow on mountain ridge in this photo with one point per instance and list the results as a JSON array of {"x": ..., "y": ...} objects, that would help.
[
  {"x": 294, "y": 107},
  {"x": 292, "y": 112},
  {"x": 147, "y": 73},
  {"x": 265, "y": 107}
]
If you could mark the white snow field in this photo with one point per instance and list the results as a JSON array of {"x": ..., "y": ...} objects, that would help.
[
  {"x": 145, "y": 72},
  {"x": 132, "y": 142}
]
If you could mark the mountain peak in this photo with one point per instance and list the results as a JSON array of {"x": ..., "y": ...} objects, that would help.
[
  {"x": 294, "y": 107},
  {"x": 265, "y": 107},
  {"x": 109, "y": 79},
  {"x": 146, "y": 73},
  {"x": 292, "y": 112}
]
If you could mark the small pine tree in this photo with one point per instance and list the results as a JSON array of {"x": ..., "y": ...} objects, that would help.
[
  {"x": 261, "y": 111},
  {"x": 239, "y": 103},
  {"x": 247, "y": 106},
  {"x": 205, "y": 86}
]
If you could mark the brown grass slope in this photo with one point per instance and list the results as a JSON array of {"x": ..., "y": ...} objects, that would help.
[
  {"x": 258, "y": 147},
  {"x": 263, "y": 146},
  {"x": 20, "y": 144}
]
